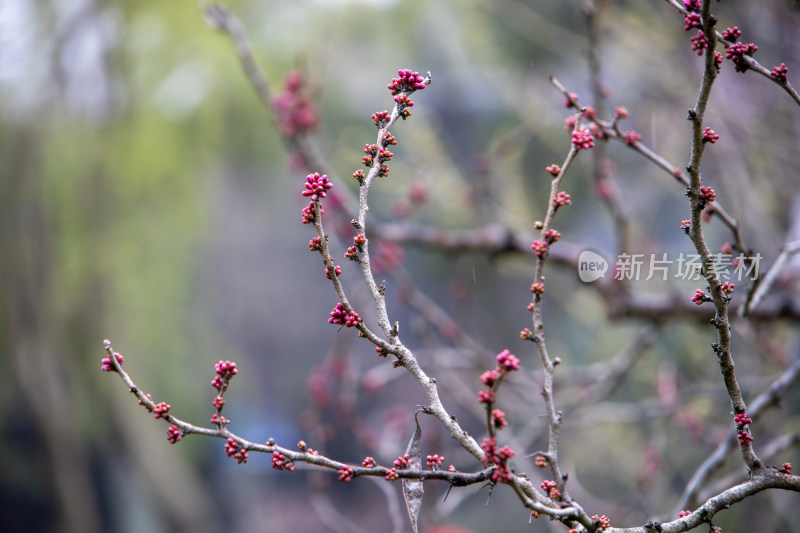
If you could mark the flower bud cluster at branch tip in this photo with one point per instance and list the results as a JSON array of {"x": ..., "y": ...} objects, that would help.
[
  {"x": 225, "y": 371},
  {"x": 406, "y": 82},
  {"x": 554, "y": 169},
  {"x": 620, "y": 113},
  {"x": 316, "y": 186},
  {"x": 368, "y": 462},
  {"x": 340, "y": 316},
  {"x": 108, "y": 366}
]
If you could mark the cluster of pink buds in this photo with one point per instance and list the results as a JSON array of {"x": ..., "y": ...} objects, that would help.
[
  {"x": 582, "y": 139},
  {"x": 731, "y": 34},
  {"x": 537, "y": 288},
  {"x": 540, "y": 247},
  {"x": 316, "y": 186},
  {"x": 562, "y": 198},
  {"x": 692, "y": 6},
  {"x": 336, "y": 270},
  {"x": 161, "y": 409},
  {"x": 380, "y": 118},
  {"x": 709, "y": 136},
  {"x": 699, "y": 42},
  {"x": 174, "y": 434},
  {"x": 779, "y": 72},
  {"x": 736, "y": 53},
  {"x": 551, "y": 489},
  {"x": 279, "y": 462},
  {"x": 727, "y": 288},
  {"x": 684, "y": 513},
  {"x": 402, "y": 462},
  {"x": 786, "y": 468},
  {"x": 568, "y": 101},
  {"x": 345, "y": 474},
  {"x": 406, "y": 82},
  {"x": 368, "y": 462},
  {"x": 308, "y": 215},
  {"x": 620, "y": 113},
  {"x": 340, "y": 316},
  {"x": 540, "y": 461},
  {"x": 232, "y": 449},
  {"x": 551, "y": 236},
  {"x": 486, "y": 396},
  {"x": 686, "y": 226},
  {"x": 499, "y": 419},
  {"x": 492, "y": 455},
  {"x": 700, "y": 297},
  {"x": 218, "y": 402},
  {"x": 294, "y": 110},
  {"x": 554, "y": 169},
  {"x": 604, "y": 521},
  {"x": 745, "y": 439},
  {"x": 225, "y": 371},
  {"x": 108, "y": 365},
  {"x": 742, "y": 420},
  {"x": 219, "y": 420},
  {"x": 631, "y": 138},
  {"x": 707, "y": 196},
  {"x": 315, "y": 244},
  {"x": 589, "y": 113},
  {"x": 392, "y": 474},
  {"x": 507, "y": 362},
  {"x": 435, "y": 461},
  {"x": 692, "y": 20}
]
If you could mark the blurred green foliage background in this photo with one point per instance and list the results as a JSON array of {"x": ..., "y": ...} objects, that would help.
[{"x": 147, "y": 197}]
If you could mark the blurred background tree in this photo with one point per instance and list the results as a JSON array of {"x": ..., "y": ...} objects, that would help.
[{"x": 146, "y": 196}]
